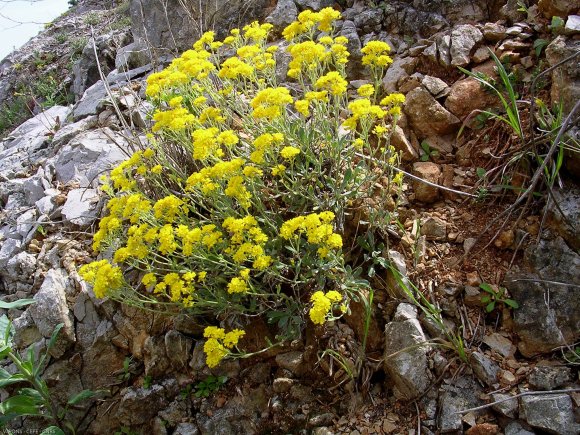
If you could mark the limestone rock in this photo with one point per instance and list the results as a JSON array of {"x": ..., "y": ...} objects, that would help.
[
  {"x": 292, "y": 361},
  {"x": 462, "y": 395},
  {"x": 403, "y": 145},
  {"x": 284, "y": 13},
  {"x": 508, "y": 408},
  {"x": 560, "y": 8},
  {"x": 51, "y": 309},
  {"x": 543, "y": 326},
  {"x": 436, "y": 86},
  {"x": 89, "y": 155},
  {"x": 549, "y": 377},
  {"x": 427, "y": 116},
  {"x": 428, "y": 171},
  {"x": 406, "y": 356},
  {"x": 485, "y": 369},
  {"x": 139, "y": 405},
  {"x": 468, "y": 95},
  {"x": 399, "y": 69},
  {"x": 568, "y": 201},
  {"x": 80, "y": 207},
  {"x": 553, "y": 413},
  {"x": 463, "y": 39}
]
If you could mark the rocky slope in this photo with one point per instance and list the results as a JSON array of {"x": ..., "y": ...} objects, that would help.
[{"x": 521, "y": 360}]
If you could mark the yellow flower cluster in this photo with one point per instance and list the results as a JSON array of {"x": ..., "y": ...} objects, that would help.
[
  {"x": 318, "y": 231},
  {"x": 375, "y": 54},
  {"x": 247, "y": 241},
  {"x": 332, "y": 82},
  {"x": 269, "y": 103},
  {"x": 307, "y": 20},
  {"x": 363, "y": 110},
  {"x": 219, "y": 343},
  {"x": 264, "y": 145},
  {"x": 322, "y": 304},
  {"x": 104, "y": 277}
]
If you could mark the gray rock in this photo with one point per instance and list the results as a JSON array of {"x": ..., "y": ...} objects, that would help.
[
  {"x": 132, "y": 56},
  {"x": 463, "y": 39},
  {"x": 176, "y": 412},
  {"x": 507, "y": 408},
  {"x": 572, "y": 25},
  {"x": 69, "y": 131},
  {"x": 516, "y": 428},
  {"x": 8, "y": 249},
  {"x": 549, "y": 312},
  {"x": 436, "y": 86},
  {"x": 87, "y": 318},
  {"x": 354, "y": 67},
  {"x": 34, "y": 187},
  {"x": 139, "y": 405},
  {"x": 481, "y": 55},
  {"x": 551, "y": 413},
  {"x": 568, "y": 201},
  {"x": 186, "y": 429},
  {"x": 284, "y": 13},
  {"x": 315, "y": 5},
  {"x": 178, "y": 348},
  {"x": 155, "y": 357},
  {"x": 406, "y": 357},
  {"x": 395, "y": 289},
  {"x": 325, "y": 419},
  {"x": 86, "y": 70},
  {"x": 400, "y": 68},
  {"x": 21, "y": 267},
  {"x": 427, "y": 117},
  {"x": 81, "y": 207},
  {"x": 169, "y": 26},
  {"x": 453, "y": 399},
  {"x": 25, "y": 222},
  {"x": 46, "y": 205},
  {"x": 500, "y": 344},
  {"x": 549, "y": 377},
  {"x": 25, "y": 330},
  {"x": 89, "y": 155},
  {"x": 428, "y": 171},
  {"x": 444, "y": 50},
  {"x": 494, "y": 32},
  {"x": 51, "y": 309},
  {"x": 282, "y": 385},
  {"x": 369, "y": 20},
  {"x": 484, "y": 368},
  {"x": 27, "y": 142},
  {"x": 434, "y": 228},
  {"x": 91, "y": 102},
  {"x": 292, "y": 361},
  {"x": 405, "y": 312}
]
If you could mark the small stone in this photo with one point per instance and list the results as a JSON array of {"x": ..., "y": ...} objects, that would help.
[
  {"x": 388, "y": 426},
  {"x": 81, "y": 207},
  {"x": 507, "y": 377},
  {"x": 507, "y": 408},
  {"x": 483, "y": 429},
  {"x": 494, "y": 32},
  {"x": 552, "y": 413},
  {"x": 472, "y": 279},
  {"x": 405, "y": 312},
  {"x": 463, "y": 39},
  {"x": 436, "y": 86},
  {"x": 484, "y": 368},
  {"x": 434, "y": 228},
  {"x": 282, "y": 385},
  {"x": 468, "y": 244},
  {"x": 401, "y": 143},
  {"x": 516, "y": 428},
  {"x": 292, "y": 361},
  {"x": 428, "y": 171},
  {"x": 481, "y": 55},
  {"x": 572, "y": 25},
  {"x": 321, "y": 420},
  {"x": 500, "y": 344},
  {"x": 472, "y": 296},
  {"x": 549, "y": 377}
]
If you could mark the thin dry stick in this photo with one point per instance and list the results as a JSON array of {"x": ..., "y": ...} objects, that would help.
[
  {"x": 526, "y": 393},
  {"x": 458, "y": 192}
]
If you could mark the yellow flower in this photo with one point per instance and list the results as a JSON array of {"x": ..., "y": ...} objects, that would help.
[
  {"x": 278, "y": 170},
  {"x": 168, "y": 208},
  {"x": 302, "y": 107},
  {"x": 366, "y": 90},
  {"x": 237, "y": 285},
  {"x": 104, "y": 277},
  {"x": 289, "y": 152},
  {"x": 332, "y": 82},
  {"x": 269, "y": 103},
  {"x": 375, "y": 54}
]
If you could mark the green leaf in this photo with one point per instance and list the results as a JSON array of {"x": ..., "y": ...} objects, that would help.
[
  {"x": 481, "y": 173},
  {"x": 21, "y": 405},
  {"x": 511, "y": 303},
  {"x": 16, "y": 304},
  {"x": 14, "y": 379},
  {"x": 486, "y": 287},
  {"x": 52, "y": 430},
  {"x": 5, "y": 329},
  {"x": 485, "y": 299},
  {"x": 83, "y": 395},
  {"x": 425, "y": 157},
  {"x": 489, "y": 308},
  {"x": 4, "y": 350}
]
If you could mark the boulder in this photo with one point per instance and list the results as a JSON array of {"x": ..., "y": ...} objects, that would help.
[
  {"x": 175, "y": 25},
  {"x": 467, "y": 96},
  {"x": 51, "y": 309},
  {"x": 463, "y": 39},
  {"x": 565, "y": 218},
  {"x": 284, "y": 13},
  {"x": 426, "y": 116},
  {"x": 132, "y": 56},
  {"x": 565, "y": 78},
  {"x": 406, "y": 353},
  {"x": 428, "y": 171},
  {"x": 81, "y": 207},
  {"x": 553, "y": 414},
  {"x": 89, "y": 155},
  {"x": 546, "y": 290},
  {"x": 401, "y": 68},
  {"x": 560, "y": 8}
]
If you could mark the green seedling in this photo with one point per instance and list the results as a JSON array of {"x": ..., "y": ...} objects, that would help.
[
  {"x": 210, "y": 385},
  {"x": 493, "y": 297}
]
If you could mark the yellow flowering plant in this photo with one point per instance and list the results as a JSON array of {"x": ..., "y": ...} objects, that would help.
[{"x": 240, "y": 204}]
